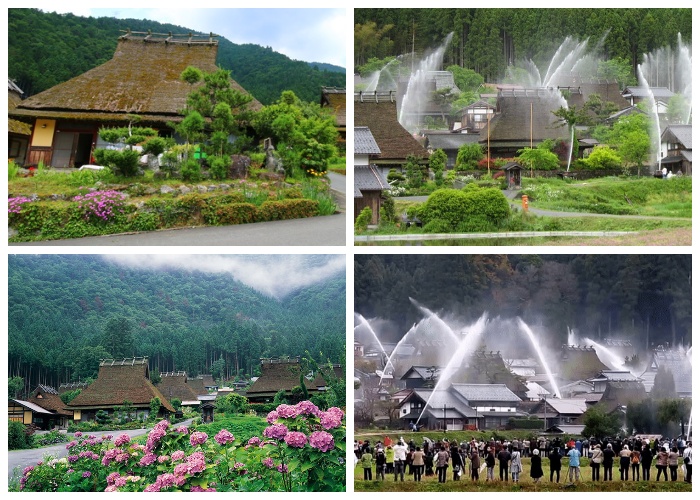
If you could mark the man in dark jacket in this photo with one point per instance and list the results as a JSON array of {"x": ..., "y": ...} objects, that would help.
[{"x": 503, "y": 459}]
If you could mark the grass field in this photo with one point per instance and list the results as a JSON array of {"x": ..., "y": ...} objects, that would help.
[{"x": 525, "y": 484}]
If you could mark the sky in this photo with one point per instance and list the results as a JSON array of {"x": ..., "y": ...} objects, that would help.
[
  {"x": 307, "y": 34},
  {"x": 273, "y": 275}
]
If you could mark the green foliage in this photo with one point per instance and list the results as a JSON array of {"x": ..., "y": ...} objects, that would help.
[
  {"x": 363, "y": 220},
  {"x": 191, "y": 170},
  {"x": 395, "y": 175},
  {"x": 117, "y": 337},
  {"x": 415, "y": 172},
  {"x": 124, "y": 163},
  {"x": 17, "y": 438},
  {"x": 232, "y": 404},
  {"x": 154, "y": 408},
  {"x": 218, "y": 166},
  {"x": 602, "y": 157},
  {"x": 468, "y": 156},
  {"x": 438, "y": 163},
  {"x": 69, "y": 396},
  {"x": 102, "y": 417},
  {"x": 599, "y": 423},
  {"x": 466, "y": 79},
  {"x": 538, "y": 159},
  {"x": 191, "y": 75},
  {"x": 154, "y": 146},
  {"x": 12, "y": 170},
  {"x": 15, "y": 385}
]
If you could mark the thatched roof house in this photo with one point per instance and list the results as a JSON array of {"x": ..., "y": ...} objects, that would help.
[
  {"x": 579, "y": 362},
  {"x": 277, "y": 374},
  {"x": 377, "y": 110},
  {"x": 18, "y": 132},
  {"x": 117, "y": 382},
  {"x": 173, "y": 385},
  {"x": 335, "y": 100},
  {"x": 142, "y": 78},
  {"x": 523, "y": 117},
  {"x": 47, "y": 397}
]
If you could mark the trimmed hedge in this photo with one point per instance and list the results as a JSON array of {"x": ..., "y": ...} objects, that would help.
[{"x": 50, "y": 220}]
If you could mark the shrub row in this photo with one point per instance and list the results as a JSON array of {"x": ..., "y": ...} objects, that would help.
[{"x": 59, "y": 220}]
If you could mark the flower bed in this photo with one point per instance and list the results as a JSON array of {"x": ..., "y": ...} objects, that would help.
[{"x": 302, "y": 449}]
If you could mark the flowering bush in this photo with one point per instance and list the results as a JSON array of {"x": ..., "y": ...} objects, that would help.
[
  {"x": 14, "y": 205},
  {"x": 101, "y": 205},
  {"x": 303, "y": 449}
]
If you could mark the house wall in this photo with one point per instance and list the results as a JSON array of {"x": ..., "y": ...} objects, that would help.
[
  {"x": 43, "y": 133},
  {"x": 371, "y": 199},
  {"x": 361, "y": 160}
]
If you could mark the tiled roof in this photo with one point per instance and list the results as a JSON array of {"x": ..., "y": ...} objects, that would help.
[
  {"x": 367, "y": 178},
  {"x": 424, "y": 372},
  {"x": 365, "y": 143},
  {"x": 141, "y": 78},
  {"x": 445, "y": 399},
  {"x": 683, "y": 133},
  {"x": 485, "y": 392},
  {"x": 119, "y": 381},
  {"x": 657, "y": 92}
]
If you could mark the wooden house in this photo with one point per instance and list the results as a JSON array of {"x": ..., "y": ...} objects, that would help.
[
  {"x": 659, "y": 96},
  {"x": 18, "y": 133},
  {"x": 421, "y": 377},
  {"x": 142, "y": 79},
  {"x": 279, "y": 374},
  {"x": 378, "y": 112},
  {"x": 556, "y": 411},
  {"x": 28, "y": 413},
  {"x": 119, "y": 381},
  {"x": 369, "y": 183},
  {"x": 43, "y": 409},
  {"x": 677, "y": 149},
  {"x": 579, "y": 363},
  {"x": 437, "y": 409},
  {"x": 334, "y": 99}
]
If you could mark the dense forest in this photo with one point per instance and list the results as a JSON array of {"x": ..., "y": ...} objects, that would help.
[
  {"x": 488, "y": 40},
  {"x": 645, "y": 298},
  {"x": 66, "y": 312},
  {"x": 45, "y": 49}
]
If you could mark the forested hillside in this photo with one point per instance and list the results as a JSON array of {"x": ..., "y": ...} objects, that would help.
[
  {"x": 487, "y": 40},
  {"x": 45, "y": 49},
  {"x": 637, "y": 296},
  {"x": 66, "y": 312}
]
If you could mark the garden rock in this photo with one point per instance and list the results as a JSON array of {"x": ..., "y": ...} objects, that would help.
[
  {"x": 224, "y": 187},
  {"x": 202, "y": 189},
  {"x": 184, "y": 190},
  {"x": 239, "y": 167},
  {"x": 212, "y": 188},
  {"x": 166, "y": 190},
  {"x": 271, "y": 176}
]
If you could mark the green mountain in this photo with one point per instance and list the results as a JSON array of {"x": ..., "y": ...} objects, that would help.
[
  {"x": 60, "y": 306},
  {"x": 45, "y": 49}
]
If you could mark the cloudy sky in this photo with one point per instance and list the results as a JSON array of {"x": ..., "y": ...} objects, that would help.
[
  {"x": 272, "y": 275},
  {"x": 308, "y": 34}
]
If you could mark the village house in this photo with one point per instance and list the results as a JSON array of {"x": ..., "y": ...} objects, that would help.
[
  {"x": 284, "y": 374},
  {"x": 378, "y": 112},
  {"x": 43, "y": 409},
  {"x": 334, "y": 99},
  {"x": 18, "y": 133},
  {"x": 677, "y": 149},
  {"x": 369, "y": 183},
  {"x": 140, "y": 84},
  {"x": 173, "y": 385},
  {"x": 119, "y": 381}
]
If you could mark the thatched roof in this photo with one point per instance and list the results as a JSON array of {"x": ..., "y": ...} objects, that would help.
[
  {"x": 579, "y": 363},
  {"x": 174, "y": 385},
  {"x": 276, "y": 375},
  {"x": 513, "y": 121},
  {"x": 48, "y": 398},
  {"x": 142, "y": 78},
  {"x": 335, "y": 99},
  {"x": 378, "y": 112},
  {"x": 197, "y": 385},
  {"x": 14, "y": 98},
  {"x": 119, "y": 381}
]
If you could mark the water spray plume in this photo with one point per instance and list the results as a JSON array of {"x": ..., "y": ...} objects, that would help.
[
  {"x": 365, "y": 323},
  {"x": 535, "y": 344}
]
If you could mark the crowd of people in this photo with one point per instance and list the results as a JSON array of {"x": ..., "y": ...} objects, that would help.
[{"x": 429, "y": 458}]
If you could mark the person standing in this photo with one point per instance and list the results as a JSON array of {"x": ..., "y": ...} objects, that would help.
[
  {"x": 635, "y": 459},
  {"x": 625, "y": 455},
  {"x": 400, "y": 452},
  {"x": 389, "y": 460},
  {"x": 647, "y": 457},
  {"x": 673, "y": 463},
  {"x": 380, "y": 464},
  {"x": 457, "y": 461},
  {"x": 662, "y": 464},
  {"x": 503, "y": 459},
  {"x": 366, "y": 464},
  {"x": 418, "y": 464},
  {"x": 574, "y": 464},
  {"x": 596, "y": 460},
  {"x": 608, "y": 459},
  {"x": 688, "y": 462},
  {"x": 554, "y": 464},
  {"x": 442, "y": 459},
  {"x": 516, "y": 466},
  {"x": 536, "y": 472},
  {"x": 490, "y": 463}
]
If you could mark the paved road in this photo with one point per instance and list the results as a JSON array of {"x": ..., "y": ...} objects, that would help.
[
  {"x": 23, "y": 458},
  {"x": 329, "y": 230}
]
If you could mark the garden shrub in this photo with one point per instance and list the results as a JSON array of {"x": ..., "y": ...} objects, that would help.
[
  {"x": 395, "y": 175},
  {"x": 287, "y": 209},
  {"x": 476, "y": 224},
  {"x": 363, "y": 220},
  {"x": 229, "y": 213},
  {"x": 191, "y": 170},
  {"x": 437, "y": 226},
  {"x": 16, "y": 436},
  {"x": 489, "y": 202},
  {"x": 124, "y": 163},
  {"x": 218, "y": 166},
  {"x": 449, "y": 205}
]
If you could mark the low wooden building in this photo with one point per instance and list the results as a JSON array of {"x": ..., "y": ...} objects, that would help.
[
  {"x": 284, "y": 374},
  {"x": 18, "y": 133},
  {"x": 119, "y": 381},
  {"x": 48, "y": 398},
  {"x": 677, "y": 149},
  {"x": 369, "y": 183},
  {"x": 142, "y": 79}
]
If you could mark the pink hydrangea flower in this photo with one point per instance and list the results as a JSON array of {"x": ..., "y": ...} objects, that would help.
[
  {"x": 122, "y": 440},
  {"x": 331, "y": 420},
  {"x": 287, "y": 411},
  {"x": 178, "y": 455},
  {"x": 182, "y": 429},
  {"x": 295, "y": 439},
  {"x": 254, "y": 441},
  {"x": 198, "y": 437},
  {"x": 322, "y": 441},
  {"x": 163, "y": 459},
  {"x": 282, "y": 468},
  {"x": 223, "y": 437},
  {"x": 272, "y": 417},
  {"x": 111, "y": 477},
  {"x": 268, "y": 462},
  {"x": 307, "y": 408},
  {"x": 276, "y": 431},
  {"x": 147, "y": 459},
  {"x": 196, "y": 463}
]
